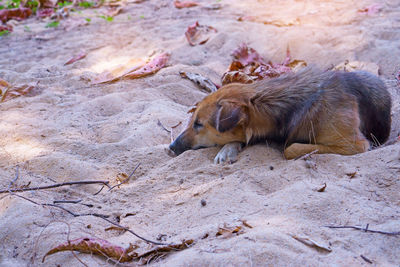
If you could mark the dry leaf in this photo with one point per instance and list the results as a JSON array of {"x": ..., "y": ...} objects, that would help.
[
  {"x": 358, "y": 65},
  {"x": 249, "y": 66},
  {"x": 201, "y": 81},
  {"x": 184, "y": 4},
  {"x": 150, "y": 68},
  {"x": 80, "y": 56},
  {"x": 237, "y": 77},
  {"x": 199, "y": 34},
  {"x": 311, "y": 243},
  {"x": 8, "y": 91},
  {"x": 228, "y": 231},
  {"x": 44, "y": 12},
  {"x": 96, "y": 246},
  {"x": 351, "y": 174},
  {"x": 322, "y": 189},
  {"x": 277, "y": 23},
  {"x": 371, "y": 9},
  {"x": 15, "y": 13}
]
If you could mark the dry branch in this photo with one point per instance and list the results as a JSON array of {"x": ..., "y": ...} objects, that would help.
[
  {"x": 53, "y": 186},
  {"x": 364, "y": 229}
]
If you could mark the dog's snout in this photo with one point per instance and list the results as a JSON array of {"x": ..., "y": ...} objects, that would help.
[{"x": 180, "y": 145}]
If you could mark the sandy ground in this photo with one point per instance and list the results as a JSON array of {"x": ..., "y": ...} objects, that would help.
[{"x": 72, "y": 130}]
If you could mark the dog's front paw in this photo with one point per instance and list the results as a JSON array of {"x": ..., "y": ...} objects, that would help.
[{"x": 228, "y": 153}]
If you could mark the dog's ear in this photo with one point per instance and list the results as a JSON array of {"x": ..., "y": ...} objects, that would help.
[{"x": 228, "y": 115}]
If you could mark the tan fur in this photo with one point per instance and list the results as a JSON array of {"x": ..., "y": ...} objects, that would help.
[{"x": 311, "y": 111}]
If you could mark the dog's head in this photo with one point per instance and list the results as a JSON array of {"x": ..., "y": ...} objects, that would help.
[{"x": 220, "y": 118}]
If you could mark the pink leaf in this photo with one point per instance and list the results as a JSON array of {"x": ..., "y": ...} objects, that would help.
[
  {"x": 184, "y": 4},
  {"x": 150, "y": 68},
  {"x": 76, "y": 58}
]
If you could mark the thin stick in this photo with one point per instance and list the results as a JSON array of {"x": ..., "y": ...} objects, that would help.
[
  {"x": 307, "y": 155},
  {"x": 366, "y": 259},
  {"x": 53, "y": 186},
  {"x": 98, "y": 191},
  {"x": 125, "y": 180},
  {"x": 104, "y": 217},
  {"x": 15, "y": 179},
  {"x": 365, "y": 229}
]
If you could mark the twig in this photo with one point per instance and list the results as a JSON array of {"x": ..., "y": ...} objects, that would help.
[
  {"x": 98, "y": 192},
  {"x": 67, "y": 201},
  {"x": 366, "y": 259},
  {"x": 15, "y": 179},
  {"x": 53, "y": 186},
  {"x": 364, "y": 229},
  {"x": 162, "y": 126},
  {"x": 104, "y": 217},
  {"x": 307, "y": 155},
  {"x": 73, "y": 202},
  {"x": 125, "y": 180},
  {"x": 169, "y": 131}
]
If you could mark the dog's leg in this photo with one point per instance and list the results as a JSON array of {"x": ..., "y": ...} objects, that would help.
[
  {"x": 228, "y": 153},
  {"x": 296, "y": 150}
]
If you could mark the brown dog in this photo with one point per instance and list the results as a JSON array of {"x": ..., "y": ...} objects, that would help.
[{"x": 308, "y": 111}]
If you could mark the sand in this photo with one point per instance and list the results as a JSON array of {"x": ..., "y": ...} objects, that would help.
[{"x": 71, "y": 130}]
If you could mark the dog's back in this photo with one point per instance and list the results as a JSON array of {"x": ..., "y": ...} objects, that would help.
[
  {"x": 374, "y": 104},
  {"x": 293, "y": 100}
]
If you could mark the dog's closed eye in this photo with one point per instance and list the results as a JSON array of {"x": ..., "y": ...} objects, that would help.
[{"x": 197, "y": 125}]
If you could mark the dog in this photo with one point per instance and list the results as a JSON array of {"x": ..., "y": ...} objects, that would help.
[{"x": 310, "y": 111}]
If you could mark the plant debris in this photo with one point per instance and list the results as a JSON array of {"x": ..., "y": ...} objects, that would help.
[
  {"x": 199, "y": 34},
  {"x": 184, "y": 4},
  {"x": 311, "y": 243},
  {"x": 228, "y": 231},
  {"x": 20, "y": 13},
  {"x": 249, "y": 66},
  {"x": 8, "y": 91},
  {"x": 138, "y": 71},
  {"x": 277, "y": 23},
  {"x": 96, "y": 246},
  {"x": 371, "y": 9},
  {"x": 200, "y": 80},
  {"x": 118, "y": 254},
  {"x": 322, "y": 189},
  {"x": 80, "y": 56}
]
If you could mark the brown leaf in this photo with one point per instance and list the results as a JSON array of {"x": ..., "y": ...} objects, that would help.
[
  {"x": 150, "y": 68},
  {"x": 199, "y": 34},
  {"x": 351, "y": 174},
  {"x": 184, "y": 4},
  {"x": 96, "y": 246},
  {"x": 201, "y": 81},
  {"x": 322, "y": 189},
  {"x": 228, "y": 231},
  {"x": 311, "y": 243},
  {"x": 4, "y": 83},
  {"x": 371, "y": 9},
  {"x": 10, "y": 92},
  {"x": 15, "y": 13},
  {"x": 249, "y": 66},
  {"x": 80, "y": 56},
  {"x": 237, "y": 77}
]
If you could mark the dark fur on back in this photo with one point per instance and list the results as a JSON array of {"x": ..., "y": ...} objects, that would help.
[{"x": 296, "y": 102}]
